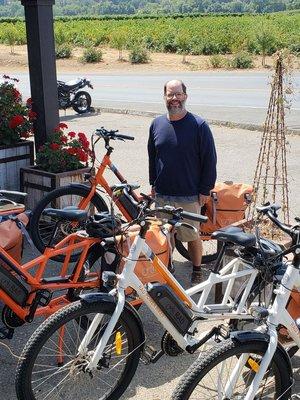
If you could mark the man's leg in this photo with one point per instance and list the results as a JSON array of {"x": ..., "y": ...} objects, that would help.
[{"x": 195, "y": 250}]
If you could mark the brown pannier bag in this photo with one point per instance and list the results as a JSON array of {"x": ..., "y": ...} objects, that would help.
[
  {"x": 11, "y": 238},
  {"x": 227, "y": 204}
]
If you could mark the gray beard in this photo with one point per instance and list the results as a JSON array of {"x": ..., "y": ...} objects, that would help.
[{"x": 176, "y": 110}]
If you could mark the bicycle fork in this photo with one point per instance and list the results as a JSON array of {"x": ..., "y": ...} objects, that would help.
[
  {"x": 259, "y": 374},
  {"x": 83, "y": 348}
]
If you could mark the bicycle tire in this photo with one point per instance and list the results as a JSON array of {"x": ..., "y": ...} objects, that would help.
[
  {"x": 29, "y": 379},
  {"x": 209, "y": 254},
  {"x": 40, "y": 228},
  {"x": 202, "y": 368}
]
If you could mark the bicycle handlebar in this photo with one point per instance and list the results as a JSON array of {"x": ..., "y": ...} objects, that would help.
[
  {"x": 180, "y": 213},
  {"x": 125, "y": 137},
  {"x": 105, "y": 134},
  {"x": 271, "y": 211}
]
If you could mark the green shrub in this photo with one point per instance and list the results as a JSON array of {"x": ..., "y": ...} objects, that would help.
[
  {"x": 91, "y": 55},
  {"x": 241, "y": 61},
  {"x": 216, "y": 61},
  {"x": 138, "y": 55},
  {"x": 295, "y": 49},
  {"x": 63, "y": 51},
  {"x": 10, "y": 37}
]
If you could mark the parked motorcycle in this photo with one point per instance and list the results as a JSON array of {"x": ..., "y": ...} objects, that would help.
[{"x": 69, "y": 95}]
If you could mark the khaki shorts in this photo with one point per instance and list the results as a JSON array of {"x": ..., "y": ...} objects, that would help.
[{"x": 184, "y": 234}]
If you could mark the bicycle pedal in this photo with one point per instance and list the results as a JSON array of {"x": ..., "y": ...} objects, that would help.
[
  {"x": 150, "y": 355},
  {"x": 44, "y": 297}
]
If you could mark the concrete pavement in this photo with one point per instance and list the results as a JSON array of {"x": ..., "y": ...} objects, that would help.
[{"x": 237, "y": 154}]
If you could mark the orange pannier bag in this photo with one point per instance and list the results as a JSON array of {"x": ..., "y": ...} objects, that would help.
[
  {"x": 11, "y": 238},
  {"x": 157, "y": 238},
  {"x": 227, "y": 204},
  {"x": 293, "y": 308}
]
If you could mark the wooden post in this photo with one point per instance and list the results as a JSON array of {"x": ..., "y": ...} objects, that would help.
[{"x": 42, "y": 66}]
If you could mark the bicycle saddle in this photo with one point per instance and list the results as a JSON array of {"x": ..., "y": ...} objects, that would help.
[
  {"x": 70, "y": 213},
  {"x": 234, "y": 235}
]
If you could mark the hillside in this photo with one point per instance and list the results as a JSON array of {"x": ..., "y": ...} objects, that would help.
[{"x": 13, "y": 8}]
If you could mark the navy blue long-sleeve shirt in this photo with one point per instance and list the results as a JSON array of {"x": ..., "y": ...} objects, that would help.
[{"x": 182, "y": 156}]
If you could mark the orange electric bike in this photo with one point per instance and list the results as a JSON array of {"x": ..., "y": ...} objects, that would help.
[
  {"x": 86, "y": 196},
  {"x": 33, "y": 288}
]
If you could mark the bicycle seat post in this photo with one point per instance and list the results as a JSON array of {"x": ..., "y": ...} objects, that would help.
[
  {"x": 217, "y": 264},
  {"x": 57, "y": 225}
]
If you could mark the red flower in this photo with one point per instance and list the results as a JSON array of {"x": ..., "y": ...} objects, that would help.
[
  {"x": 25, "y": 135},
  {"x": 64, "y": 139},
  {"x": 54, "y": 146},
  {"x": 61, "y": 125},
  {"x": 16, "y": 120},
  {"x": 32, "y": 114},
  {"x": 71, "y": 150},
  {"x": 29, "y": 102},
  {"x": 82, "y": 155},
  {"x": 72, "y": 134},
  {"x": 16, "y": 94}
]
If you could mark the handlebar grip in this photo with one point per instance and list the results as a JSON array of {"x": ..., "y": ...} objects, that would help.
[
  {"x": 193, "y": 216},
  {"x": 123, "y": 137}
]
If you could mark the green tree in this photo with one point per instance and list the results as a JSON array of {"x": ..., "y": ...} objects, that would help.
[
  {"x": 266, "y": 43},
  {"x": 10, "y": 37},
  {"x": 118, "y": 41},
  {"x": 183, "y": 43}
]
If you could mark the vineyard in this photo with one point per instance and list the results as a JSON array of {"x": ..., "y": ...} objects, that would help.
[{"x": 210, "y": 34}]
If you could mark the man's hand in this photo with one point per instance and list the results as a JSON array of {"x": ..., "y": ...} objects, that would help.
[
  {"x": 202, "y": 199},
  {"x": 153, "y": 191}
]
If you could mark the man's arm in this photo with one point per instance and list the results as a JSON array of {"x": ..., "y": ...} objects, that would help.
[
  {"x": 151, "y": 157},
  {"x": 208, "y": 160}
]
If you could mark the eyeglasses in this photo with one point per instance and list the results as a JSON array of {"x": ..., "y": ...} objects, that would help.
[{"x": 171, "y": 95}]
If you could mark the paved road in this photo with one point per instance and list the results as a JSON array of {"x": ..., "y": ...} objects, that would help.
[
  {"x": 237, "y": 154},
  {"x": 240, "y": 97}
]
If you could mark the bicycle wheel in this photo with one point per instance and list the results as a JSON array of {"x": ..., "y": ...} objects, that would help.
[
  {"x": 207, "y": 377},
  {"x": 211, "y": 249},
  {"x": 50, "y": 368},
  {"x": 42, "y": 226}
]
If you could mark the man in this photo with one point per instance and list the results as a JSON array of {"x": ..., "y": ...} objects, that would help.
[{"x": 182, "y": 164}]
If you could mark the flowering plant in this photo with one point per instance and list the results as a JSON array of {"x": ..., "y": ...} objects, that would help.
[
  {"x": 64, "y": 151},
  {"x": 15, "y": 118}
]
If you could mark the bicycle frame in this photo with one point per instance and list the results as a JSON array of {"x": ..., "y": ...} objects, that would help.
[
  {"x": 200, "y": 309},
  {"x": 99, "y": 179},
  {"x": 75, "y": 241},
  {"x": 277, "y": 315}
]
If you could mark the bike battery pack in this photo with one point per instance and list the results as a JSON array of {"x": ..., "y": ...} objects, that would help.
[
  {"x": 12, "y": 284},
  {"x": 174, "y": 309},
  {"x": 129, "y": 206}
]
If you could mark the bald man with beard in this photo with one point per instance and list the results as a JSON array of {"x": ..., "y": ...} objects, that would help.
[{"x": 182, "y": 164}]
